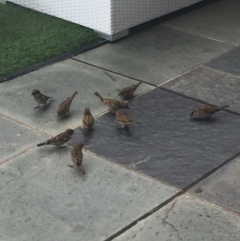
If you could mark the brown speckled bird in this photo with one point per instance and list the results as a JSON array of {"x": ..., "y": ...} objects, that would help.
[
  {"x": 127, "y": 93},
  {"x": 124, "y": 120},
  {"x": 58, "y": 140},
  {"x": 77, "y": 157},
  {"x": 88, "y": 119},
  {"x": 40, "y": 98},
  {"x": 64, "y": 107},
  {"x": 112, "y": 104},
  {"x": 206, "y": 111}
]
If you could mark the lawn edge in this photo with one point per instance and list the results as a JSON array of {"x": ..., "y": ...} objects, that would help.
[{"x": 53, "y": 60}]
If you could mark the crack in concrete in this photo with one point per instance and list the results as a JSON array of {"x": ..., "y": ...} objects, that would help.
[
  {"x": 134, "y": 164},
  {"x": 164, "y": 221},
  {"x": 13, "y": 179},
  {"x": 218, "y": 195}
]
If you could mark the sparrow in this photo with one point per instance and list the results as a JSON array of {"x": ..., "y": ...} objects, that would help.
[
  {"x": 124, "y": 120},
  {"x": 127, "y": 93},
  {"x": 64, "y": 107},
  {"x": 111, "y": 103},
  {"x": 88, "y": 119},
  {"x": 206, "y": 111},
  {"x": 77, "y": 157},
  {"x": 40, "y": 98},
  {"x": 58, "y": 140}
]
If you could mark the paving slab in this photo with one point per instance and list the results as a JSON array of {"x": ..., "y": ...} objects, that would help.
[
  {"x": 222, "y": 187},
  {"x": 187, "y": 219},
  {"x": 15, "y": 138},
  {"x": 227, "y": 62},
  {"x": 167, "y": 144},
  {"x": 60, "y": 81},
  {"x": 219, "y": 20},
  {"x": 209, "y": 85},
  {"x": 155, "y": 54},
  {"x": 44, "y": 199}
]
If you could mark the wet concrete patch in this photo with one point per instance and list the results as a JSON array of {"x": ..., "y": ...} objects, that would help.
[{"x": 167, "y": 144}]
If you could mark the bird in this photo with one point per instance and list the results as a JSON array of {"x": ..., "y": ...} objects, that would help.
[
  {"x": 64, "y": 107},
  {"x": 77, "y": 157},
  {"x": 124, "y": 120},
  {"x": 127, "y": 93},
  {"x": 40, "y": 98},
  {"x": 112, "y": 103},
  {"x": 206, "y": 111},
  {"x": 58, "y": 140},
  {"x": 88, "y": 119}
]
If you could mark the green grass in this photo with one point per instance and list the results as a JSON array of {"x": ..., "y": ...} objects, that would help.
[{"x": 28, "y": 37}]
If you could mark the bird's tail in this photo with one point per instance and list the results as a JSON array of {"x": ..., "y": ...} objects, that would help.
[
  {"x": 138, "y": 84},
  {"x": 222, "y": 107},
  {"x": 75, "y": 93},
  {"x": 42, "y": 143},
  {"x": 99, "y": 96}
]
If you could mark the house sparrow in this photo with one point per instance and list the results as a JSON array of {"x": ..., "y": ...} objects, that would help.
[
  {"x": 64, "y": 107},
  {"x": 127, "y": 93},
  {"x": 88, "y": 119},
  {"x": 111, "y": 103},
  {"x": 206, "y": 111},
  {"x": 58, "y": 140},
  {"x": 124, "y": 120},
  {"x": 77, "y": 157},
  {"x": 40, "y": 98}
]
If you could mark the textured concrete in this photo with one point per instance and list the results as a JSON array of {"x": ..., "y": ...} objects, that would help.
[
  {"x": 155, "y": 54},
  {"x": 167, "y": 144},
  {"x": 222, "y": 187},
  {"x": 44, "y": 199},
  {"x": 15, "y": 138},
  {"x": 60, "y": 81},
  {"x": 219, "y": 20},
  {"x": 186, "y": 219},
  {"x": 227, "y": 62},
  {"x": 209, "y": 85}
]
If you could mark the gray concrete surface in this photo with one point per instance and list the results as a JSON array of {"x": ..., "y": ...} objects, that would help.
[
  {"x": 155, "y": 54},
  {"x": 186, "y": 219},
  {"x": 227, "y": 62},
  {"x": 168, "y": 144},
  {"x": 16, "y": 138},
  {"x": 44, "y": 199},
  {"x": 219, "y": 20},
  {"x": 209, "y": 85},
  {"x": 60, "y": 81},
  {"x": 222, "y": 187}
]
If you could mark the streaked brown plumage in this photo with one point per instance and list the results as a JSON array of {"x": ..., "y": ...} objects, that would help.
[
  {"x": 88, "y": 119},
  {"x": 205, "y": 111},
  {"x": 124, "y": 120},
  {"x": 40, "y": 98},
  {"x": 58, "y": 140},
  {"x": 64, "y": 107},
  {"x": 111, "y": 103},
  {"x": 77, "y": 157},
  {"x": 127, "y": 93}
]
